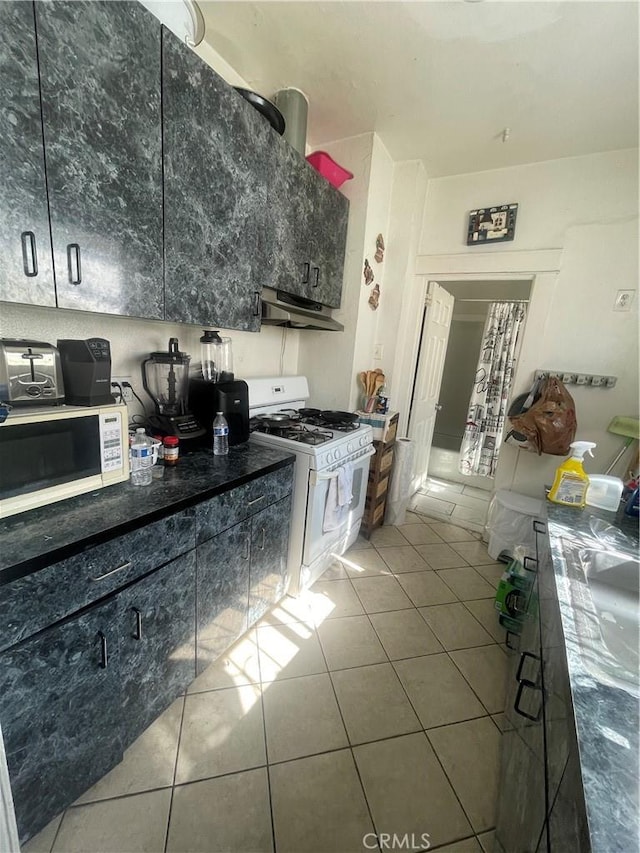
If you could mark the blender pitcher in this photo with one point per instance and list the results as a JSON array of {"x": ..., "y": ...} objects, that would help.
[
  {"x": 216, "y": 356},
  {"x": 165, "y": 378}
]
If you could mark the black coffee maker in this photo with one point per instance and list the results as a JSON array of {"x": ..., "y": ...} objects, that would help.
[{"x": 216, "y": 390}]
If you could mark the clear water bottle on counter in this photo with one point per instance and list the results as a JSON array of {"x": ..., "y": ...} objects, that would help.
[
  {"x": 141, "y": 459},
  {"x": 220, "y": 435}
]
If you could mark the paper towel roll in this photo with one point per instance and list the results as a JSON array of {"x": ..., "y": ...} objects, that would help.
[{"x": 400, "y": 486}]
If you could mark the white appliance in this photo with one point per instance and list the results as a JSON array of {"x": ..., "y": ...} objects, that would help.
[{"x": 321, "y": 449}]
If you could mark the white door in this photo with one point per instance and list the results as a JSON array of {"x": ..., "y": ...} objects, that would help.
[{"x": 428, "y": 378}]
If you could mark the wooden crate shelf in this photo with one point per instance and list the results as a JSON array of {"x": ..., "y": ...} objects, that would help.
[{"x": 378, "y": 485}]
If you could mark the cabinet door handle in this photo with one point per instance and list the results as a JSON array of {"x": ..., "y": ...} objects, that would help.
[
  {"x": 306, "y": 270},
  {"x": 138, "y": 631},
  {"x": 104, "y": 655},
  {"x": 317, "y": 277},
  {"x": 121, "y": 568},
  {"x": 526, "y": 564},
  {"x": 264, "y": 539},
  {"x": 257, "y": 307},
  {"x": 73, "y": 263},
  {"x": 247, "y": 552},
  {"x": 29, "y": 254},
  {"x": 255, "y": 500},
  {"x": 516, "y": 705},
  {"x": 539, "y": 527},
  {"x": 523, "y": 657}
]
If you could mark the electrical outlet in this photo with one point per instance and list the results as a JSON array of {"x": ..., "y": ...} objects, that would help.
[
  {"x": 624, "y": 299},
  {"x": 611, "y": 381},
  {"x": 597, "y": 380},
  {"x": 377, "y": 352},
  {"x": 127, "y": 395},
  {"x": 581, "y": 379},
  {"x": 568, "y": 378}
]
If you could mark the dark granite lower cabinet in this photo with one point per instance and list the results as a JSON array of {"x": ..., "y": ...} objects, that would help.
[
  {"x": 60, "y": 709},
  {"x": 269, "y": 537},
  {"x": 157, "y": 645},
  {"x": 222, "y": 591}
]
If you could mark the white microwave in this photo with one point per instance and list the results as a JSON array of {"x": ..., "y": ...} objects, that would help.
[{"x": 47, "y": 455}]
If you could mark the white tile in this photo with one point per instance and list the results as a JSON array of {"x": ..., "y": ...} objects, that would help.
[
  {"x": 480, "y": 494},
  {"x": 460, "y": 499},
  {"x": 387, "y": 536},
  {"x": 222, "y": 732},
  {"x": 238, "y": 665},
  {"x": 427, "y": 504},
  {"x": 290, "y": 609},
  {"x": 485, "y": 668},
  {"x": 373, "y": 703},
  {"x": 382, "y": 593},
  {"x": 465, "y": 514},
  {"x": 483, "y": 609},
  {"x": 438, "y": 693},
  {"x": 230, "y": 813},
  {"x": 470, "y": 755},
  {"x": 491, "y": 573},
  {"x": 475, "y": 553},
  {"x": 452, "y": 532},
  {"x": 136, "y": 824},
  {"x": 287, "y": 651},
  {"x": 441, "y": 556},
  {"x": 404, "y": 634},
  {"x": 350, "y": 641},
  {"x": 43, "y": 841},
  {"x": 455, "y": 627},
  {"x": 302, "y": 718},
  {"x": 467, "y": 845},
  {"x": 405, "y": 559},
  {"x": 318, "y": 805},
  {"x": 360, "y": 543},
  {"x": 420, "y": 534},
  {"x": 149, "y": 762},
  {"x": 435, "y": 484},
  {"x": 332, "y": 599},
  {"x": 408, "y": 792},
  {"x": 335, "y": 571},
  {"x": 466, "y": 583},
  {"x": 363, "y": 564},
  {"x": 487, "y": 840},
  {"x": 426, "y": 588}
]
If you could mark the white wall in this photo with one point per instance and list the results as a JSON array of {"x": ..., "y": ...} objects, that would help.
[
  {"x": 588, "y": 207},
  {"x": 255, "y": 354}
]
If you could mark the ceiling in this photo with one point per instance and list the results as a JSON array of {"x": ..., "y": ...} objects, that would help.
[{"x": 440, "y": 81}]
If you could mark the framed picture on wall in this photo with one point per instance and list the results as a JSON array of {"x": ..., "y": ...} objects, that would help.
[{"x": 492, "y": 224}]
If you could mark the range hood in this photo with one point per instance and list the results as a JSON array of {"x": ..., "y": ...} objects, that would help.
[{"x": 284, "y": 309}]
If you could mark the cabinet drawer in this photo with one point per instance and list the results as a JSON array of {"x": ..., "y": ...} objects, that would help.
[
  {"x": 42, "y": 598},
  {"x": 223, "y": 511}
]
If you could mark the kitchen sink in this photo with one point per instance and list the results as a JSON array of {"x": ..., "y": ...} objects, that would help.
[{"x": 607, "y": 600}]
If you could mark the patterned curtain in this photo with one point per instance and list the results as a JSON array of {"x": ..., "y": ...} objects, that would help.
[{"x": 488, "y": 403}]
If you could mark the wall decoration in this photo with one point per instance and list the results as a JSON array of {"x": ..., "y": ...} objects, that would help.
[
  {"x": 379, "y": 255},
  {"x": 374, "y": 298},
  {"x": 492, "y": 224},
  {"x": 367, "y": 272}
]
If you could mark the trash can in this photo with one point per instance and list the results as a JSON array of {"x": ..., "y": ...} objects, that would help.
[{"x": 510, "y": 523}]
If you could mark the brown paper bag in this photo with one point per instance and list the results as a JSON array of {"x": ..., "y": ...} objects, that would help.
[{"x": 549, "y": 426}]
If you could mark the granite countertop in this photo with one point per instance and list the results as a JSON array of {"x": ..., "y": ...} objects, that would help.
[
  {"x": 41, "y": 536},
  {"x": 605, "y": 692}
]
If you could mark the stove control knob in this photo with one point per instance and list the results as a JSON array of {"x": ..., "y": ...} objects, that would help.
[
  {"x": 337, "y": 454},
  {"x": 350, "y": 447},
  {"x": 329, "y": 457},
  {"x": 363, "y": 442}
]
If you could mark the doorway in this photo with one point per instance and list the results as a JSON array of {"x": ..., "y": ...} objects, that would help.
[{"x": 441, "y": 489}]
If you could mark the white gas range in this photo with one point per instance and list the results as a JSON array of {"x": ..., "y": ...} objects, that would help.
[{"x": 329, "y": 446}]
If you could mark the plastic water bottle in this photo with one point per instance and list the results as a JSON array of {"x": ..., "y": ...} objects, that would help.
[
  {"x": 141, "y": 459},
  {"x": 220, "y": 435}
]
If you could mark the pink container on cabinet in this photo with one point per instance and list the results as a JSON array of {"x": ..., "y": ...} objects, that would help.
[{"x": 329, "y": 169}]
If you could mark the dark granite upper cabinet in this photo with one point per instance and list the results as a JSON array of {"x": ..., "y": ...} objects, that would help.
[
  {"x": 100, "y": 85},
  {"x": 26, "y": 272},
  {"x": 215, "y": 195},
  {"x": 308, "y": 218}
]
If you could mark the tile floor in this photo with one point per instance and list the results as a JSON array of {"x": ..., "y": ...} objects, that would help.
[
  {"x": 370, "y": 705},
  {"x": 453, "y": 502}
]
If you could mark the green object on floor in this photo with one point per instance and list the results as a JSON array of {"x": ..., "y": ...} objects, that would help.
[{"x": 514, "y": 590}]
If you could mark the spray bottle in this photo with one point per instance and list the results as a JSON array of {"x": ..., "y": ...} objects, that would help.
[{"x": 571, "y": 482}]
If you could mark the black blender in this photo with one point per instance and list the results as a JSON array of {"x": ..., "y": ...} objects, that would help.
[{"x": 165, "y": 376}]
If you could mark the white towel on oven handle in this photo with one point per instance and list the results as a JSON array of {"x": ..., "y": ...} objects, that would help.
[{"x": 339, "y": 495}]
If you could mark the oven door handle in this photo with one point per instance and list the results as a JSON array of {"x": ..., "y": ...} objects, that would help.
[{"x": 319, "y": 476}]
